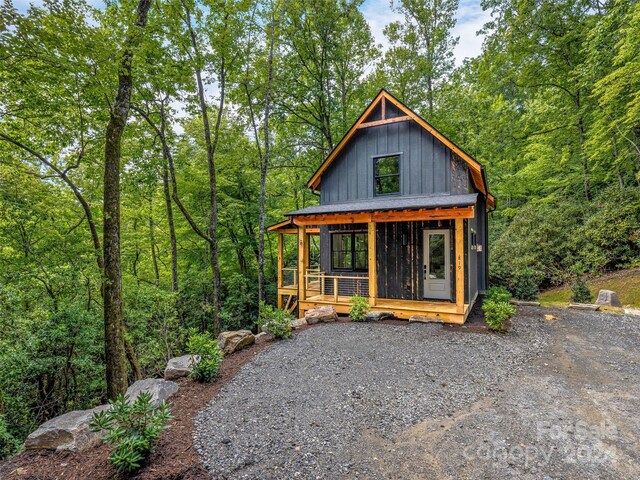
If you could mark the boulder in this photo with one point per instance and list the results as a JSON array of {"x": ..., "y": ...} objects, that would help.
[
  {"x": 325, "y": 314},
  {"x": 298, "y": 323},
  {"x": 178, "y": 367},
  {"x": 261, "y": 335},
  {"x": 378, "y": 316},
  {"x": 608, "y": 297},
  {"x": 231, "y": 342},
  {"x": 159, "y": 389},
  {"x": 70, "y": 431},
  {"x": 421, "y": 319}
]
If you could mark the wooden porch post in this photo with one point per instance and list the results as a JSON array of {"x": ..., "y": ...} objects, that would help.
[
  {"x": 303, "y": 256},
  {"x": 373, "y": 274},
  {"x": 280, "y": 267},
  {"x": 459, "y": 234}
]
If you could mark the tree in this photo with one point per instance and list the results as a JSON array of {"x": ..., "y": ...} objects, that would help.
[{"x": 115, "y": 352}]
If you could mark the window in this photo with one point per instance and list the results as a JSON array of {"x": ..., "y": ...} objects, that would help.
[
  {"x": 349, "y": 251},
  {"x": 387, "y": 175}
]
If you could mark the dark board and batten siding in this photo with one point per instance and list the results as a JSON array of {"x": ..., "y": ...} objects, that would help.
[{"x": 425, "y": 163}]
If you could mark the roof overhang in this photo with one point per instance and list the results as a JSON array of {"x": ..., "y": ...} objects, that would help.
[{"x": 476, "y": 168}]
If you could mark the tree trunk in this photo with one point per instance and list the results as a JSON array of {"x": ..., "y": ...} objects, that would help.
[
  {"x": 154, "y": 257},
  {"x": 115, "y": 352},
  {"x": 172, "y": 228},
  {"x": 211, "y": 147}
]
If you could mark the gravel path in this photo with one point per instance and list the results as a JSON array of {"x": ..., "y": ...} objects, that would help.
[{"x": 419, "y": 401}]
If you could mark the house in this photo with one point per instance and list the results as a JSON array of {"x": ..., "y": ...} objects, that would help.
[{"x": 402, "y": 221}]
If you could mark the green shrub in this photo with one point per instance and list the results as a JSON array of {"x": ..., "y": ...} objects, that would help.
[
  {"x": 580, "y": 292},
  {"x": 359, "y": 308},
  {"x": 8, "y": 444},
  {"x": 134, "y": 429},
  {"x": 525, "y": 286},
  {"x": 277, "y": 322},
  {"x": 496, "y": 313},
  {"x": 210, "y": 355},
  {"x": 498, "y": 294}
]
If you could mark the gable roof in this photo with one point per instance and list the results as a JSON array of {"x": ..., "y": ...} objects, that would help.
[{"x": 475, "y": 168}]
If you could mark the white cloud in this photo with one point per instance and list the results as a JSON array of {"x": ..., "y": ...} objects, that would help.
[{"x": 469, "y": 19}]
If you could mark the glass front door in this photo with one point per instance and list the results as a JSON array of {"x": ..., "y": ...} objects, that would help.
[{"x": 437, "y": 264}]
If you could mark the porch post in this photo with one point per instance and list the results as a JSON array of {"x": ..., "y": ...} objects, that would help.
[
  {"x": 459, "y": 234},
  {"x": 373, "y": 274},
  {"x": 280, "y": 267},
  {"x": 303, "y": 256}
]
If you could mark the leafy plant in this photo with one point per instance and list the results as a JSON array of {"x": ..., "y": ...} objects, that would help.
[
  {"x": 277, "y": 322},
  {"x": 496, "y": 313},
  {"x": 202, "y": 345},
  {"x": 134, "y": 429},
  {"x": 498, "y": 294},
  {"x": 580, "y": 292},
  {"x": 8, "y": 444},
  {"x": 359, "y": 308},
  {"x": 525, "y": 286}
]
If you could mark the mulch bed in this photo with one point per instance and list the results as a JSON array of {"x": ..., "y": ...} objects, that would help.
[{"x": 174, "y": 457}]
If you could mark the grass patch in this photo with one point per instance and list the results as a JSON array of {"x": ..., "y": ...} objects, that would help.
[{"x": 626, "y": 283}]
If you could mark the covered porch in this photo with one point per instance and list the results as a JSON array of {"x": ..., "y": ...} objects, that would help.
[{"x": 308, "y": 284}]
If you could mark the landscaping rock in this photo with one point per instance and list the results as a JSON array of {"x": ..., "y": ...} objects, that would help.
[
  {"x": 378, "y": 316},
  {"x": 300, "y": 322},
  {"x": 159, "y": 389},
  {"x": 261, "y": 335},
  {"x": 524, "y": 303},
  {"x": 421, "y": 319},
  {"x": 178, "y": 367},
  {"x": 608, "y": 297},
  {"x": 325, "y": 314},
  {"x": 70, "y": 431},
  {"x": 231, "y": 342},
  {"x": 584, "y": 306}
]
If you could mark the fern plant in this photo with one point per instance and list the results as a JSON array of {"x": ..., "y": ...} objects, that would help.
[{"x": 133, "y": 428}]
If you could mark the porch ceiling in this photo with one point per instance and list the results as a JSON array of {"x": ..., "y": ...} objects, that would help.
[{"x": 392, "y": 204}]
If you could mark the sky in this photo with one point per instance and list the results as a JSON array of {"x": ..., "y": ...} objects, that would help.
[{"x": 470, "y": 18}]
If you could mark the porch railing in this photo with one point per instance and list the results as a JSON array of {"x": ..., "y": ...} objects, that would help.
[{"x": 331, "y": 287}]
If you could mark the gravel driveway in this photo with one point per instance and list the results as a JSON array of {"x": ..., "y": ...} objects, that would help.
[{"x": 553, "y": 399}]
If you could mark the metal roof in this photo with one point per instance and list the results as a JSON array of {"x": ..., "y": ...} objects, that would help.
[{"x": 392, "y": 203}]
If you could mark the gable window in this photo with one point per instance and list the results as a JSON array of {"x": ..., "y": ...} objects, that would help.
[
  {"x": 387, "y": 175},
  {"x": 349, "y": 251}
]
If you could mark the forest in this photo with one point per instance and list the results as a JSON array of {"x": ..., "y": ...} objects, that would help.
[{"x": 146, "y": 145}]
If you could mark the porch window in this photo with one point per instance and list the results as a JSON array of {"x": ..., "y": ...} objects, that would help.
[
  {"x": 349, "y": 251},
  {"x": 387, "y": 175}
]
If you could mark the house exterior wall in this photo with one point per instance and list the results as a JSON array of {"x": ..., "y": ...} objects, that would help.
[{"x": 425, "y": 164}]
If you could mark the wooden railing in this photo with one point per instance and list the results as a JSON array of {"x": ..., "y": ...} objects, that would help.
[
  {"x": 289, "y": 277},
  {"x": 335, "y": 286}
]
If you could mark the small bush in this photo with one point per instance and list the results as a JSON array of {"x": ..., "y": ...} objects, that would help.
[
  {"x": 525, "y": 286},
  {"x": 8, "y": 443},
  {"x": 359, "y": 308},
  {"x": 496, "y": 313},
  {"x": 206, "y": 370},
  {"x": 134, "y": 429},
  {"x": 498, "y": 294},
  {"x": 580, "y": 293},
  {"x": 277, "y": 322}
]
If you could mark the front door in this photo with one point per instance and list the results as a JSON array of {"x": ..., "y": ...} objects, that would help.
[{"x": 436, "y": 270}]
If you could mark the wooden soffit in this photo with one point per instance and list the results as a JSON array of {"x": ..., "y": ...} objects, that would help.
[
  {"x": 384, "y": 216},
  {"x": 475, "y": 167}
]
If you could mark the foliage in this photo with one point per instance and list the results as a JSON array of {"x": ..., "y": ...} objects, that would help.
[
  {"x": 277, "y": 322},
  {"x": 359, "y": 308},
  {"x": 496, "y": 312},
  {"x": 202, "y": 345},
  {"x": 580, "y": 292},
  {"x": 525, "y": 286},
  {"x": 498, "y": 294},
  {"x": 8, "y": 443},
  {"x": 133, "y": 428}
]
